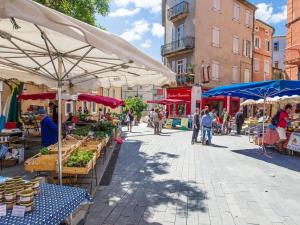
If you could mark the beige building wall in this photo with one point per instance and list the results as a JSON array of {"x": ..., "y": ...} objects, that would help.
[{"x": 206, "y": 19}]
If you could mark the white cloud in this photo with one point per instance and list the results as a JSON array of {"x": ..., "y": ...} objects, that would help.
[
  {"x": 136, "y": 31},
  {"x": 153, "y": 5},
  {"x": 157, "y": 30},
  {"x": 121, "y": 12},
  {"x": 266, "y": 13},
  {"x": 147, "y": 44}
]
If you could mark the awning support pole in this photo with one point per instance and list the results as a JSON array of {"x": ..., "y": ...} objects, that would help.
[{"x": 59, "y": 87}]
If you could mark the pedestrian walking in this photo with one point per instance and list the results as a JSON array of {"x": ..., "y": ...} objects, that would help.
[
  {"x": 156, "y": 121},
  {"x": 226, "y": 118},
  {"x": 129, "y": 119},
  {"x": 239, "y": 121},
  {"x": 206, "y": 123},
  {"x": 196, "y": 126}
]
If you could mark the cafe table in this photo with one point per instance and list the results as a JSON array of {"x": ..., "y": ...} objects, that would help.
[{"x": 52, "y": 205}]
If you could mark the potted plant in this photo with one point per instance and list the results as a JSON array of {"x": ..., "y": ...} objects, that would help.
[{"x": 137, "y": 105}]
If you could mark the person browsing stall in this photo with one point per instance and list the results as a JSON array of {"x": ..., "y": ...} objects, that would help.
[
  {"x": 49, "y": 130},
  {"x": 206, "y": 123}
]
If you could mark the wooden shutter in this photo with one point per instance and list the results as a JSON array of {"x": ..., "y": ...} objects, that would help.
[
  {"x": 245, "y": 48},
  {"x": 216, "y": 36},
  {"x": 234, "y": 74}
]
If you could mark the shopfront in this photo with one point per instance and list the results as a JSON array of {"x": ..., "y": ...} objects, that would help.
[
  {"x": 192, "y": 99},
  {"x": 180, "y": 93}
]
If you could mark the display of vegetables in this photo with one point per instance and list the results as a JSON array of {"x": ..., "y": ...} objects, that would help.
[
  {"x": 80, "y": 158},
  {"x": 44, "y": 151},
  {"x": 82, "y": 131}
]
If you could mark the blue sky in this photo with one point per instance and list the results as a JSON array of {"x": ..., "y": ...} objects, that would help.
[{"x": 139, "y": 21}]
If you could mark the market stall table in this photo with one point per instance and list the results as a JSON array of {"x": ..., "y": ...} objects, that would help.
[{"x": 52, "y": 205}]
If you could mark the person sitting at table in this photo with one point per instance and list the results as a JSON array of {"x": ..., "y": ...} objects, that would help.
[{"x": 49, "y": 130}]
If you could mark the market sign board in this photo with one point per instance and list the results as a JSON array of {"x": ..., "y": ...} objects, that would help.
[
  {"x": 169, "y": 123},
  {"x": 294, "y": 142}
]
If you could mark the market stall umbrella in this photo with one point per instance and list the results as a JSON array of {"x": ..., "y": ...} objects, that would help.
[
  {"x": 257, "y": 90},
  {"x": 104, "y": 100},
  {"x": 60, "y": 51},
  {"x": 248, "y": 102}
]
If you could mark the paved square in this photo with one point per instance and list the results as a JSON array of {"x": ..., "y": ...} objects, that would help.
[{"x": 166, "y": 180}]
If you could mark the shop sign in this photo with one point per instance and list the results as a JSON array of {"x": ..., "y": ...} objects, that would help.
[
  {"x": 185, "y": 122},
  {"x": 294, "y": 142},
  {"x": 169, "y": 124}
]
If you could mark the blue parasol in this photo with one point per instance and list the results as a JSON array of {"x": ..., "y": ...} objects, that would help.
[{"x": 257, "y": 90}]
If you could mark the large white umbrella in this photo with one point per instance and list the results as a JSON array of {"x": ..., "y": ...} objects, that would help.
[{"x": 60, "y": 51}]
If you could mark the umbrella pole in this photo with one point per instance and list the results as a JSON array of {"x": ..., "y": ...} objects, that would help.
[{"x": 59, "y": 84}]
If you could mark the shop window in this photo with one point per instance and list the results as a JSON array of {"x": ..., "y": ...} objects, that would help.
[{"x": 68, "y": 108}]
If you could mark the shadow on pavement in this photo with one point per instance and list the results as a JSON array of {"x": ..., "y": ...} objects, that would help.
[
  {"x": 138, "y": 190},
  {"x": 289, "y": 162}
]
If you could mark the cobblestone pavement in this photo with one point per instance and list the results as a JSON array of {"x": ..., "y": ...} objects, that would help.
[{"x": 165, "y": 180}]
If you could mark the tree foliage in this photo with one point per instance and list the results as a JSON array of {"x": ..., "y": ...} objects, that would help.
[
  {"x": 84, "y": 10},
  {"x": 136, "y": 104}
]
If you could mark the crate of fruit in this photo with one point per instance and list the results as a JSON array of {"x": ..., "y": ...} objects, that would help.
[
  {"x": 67, "y": 146},
  {"x": 81, "y": 161},
  {"x": 94, "y": 145},
  {"x": 41, "y": 162}
]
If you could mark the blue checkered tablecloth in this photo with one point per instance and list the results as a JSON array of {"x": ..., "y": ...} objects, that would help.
[{"x": 52, "y": 205}]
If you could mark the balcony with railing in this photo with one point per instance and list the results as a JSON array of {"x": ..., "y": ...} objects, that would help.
[
  {"x": 179, "y": 11},
  {"x": 185, "y": 44}
]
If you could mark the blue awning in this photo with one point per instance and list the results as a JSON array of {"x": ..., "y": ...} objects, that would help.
[{"x": 257, "y": 90}]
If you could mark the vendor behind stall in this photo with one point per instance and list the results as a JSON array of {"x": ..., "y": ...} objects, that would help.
[
  {"x": 53, "y": 108},
  {"x": 49, "y": 130}
]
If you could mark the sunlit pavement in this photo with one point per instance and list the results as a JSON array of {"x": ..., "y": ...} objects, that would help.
[{"x": 166, "y": 180}]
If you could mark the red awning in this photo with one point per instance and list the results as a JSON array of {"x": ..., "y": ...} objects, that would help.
[
  {"x": 166, "y": 101},
  {"x": 38, "y": 96},
  {"x": 104, "y": 100}
]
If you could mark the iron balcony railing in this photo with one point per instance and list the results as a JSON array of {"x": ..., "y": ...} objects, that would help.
[
  {"x": 177, "y": 10},
  {"x": 179, "y": 45}
]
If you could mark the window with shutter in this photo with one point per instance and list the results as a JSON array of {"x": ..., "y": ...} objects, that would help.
[
  {"x": 174, "y": 66},
  {"x": 236, "y": 12},
  {"x": 267, "y": 45},
  {"x": 256, "y": 65},
  {"x": 267, "y": 67},
  {"x": 215, "y": 71},
  {"x": 234, "y": 74},
  {"x": 179, "y": 66},
  {"x": 256, "y": 42},
  {"x": 247, "y": 19},
  {"x": 184, "y": 65},
  {"x": 215, "y": 37},
  {"x": 216, "y": 5},
  {"x": 247, "y": 75},
  {"x": 235, "y": 44},
  {"x": 244, "y": 48}
]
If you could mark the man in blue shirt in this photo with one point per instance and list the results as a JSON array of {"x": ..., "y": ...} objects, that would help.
[
  {"x": 49, "y": 131},
  {"x": 206, "y": 123}
]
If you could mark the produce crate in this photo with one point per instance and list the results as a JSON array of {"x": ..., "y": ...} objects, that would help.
[
  {"x": 67, "y": 146},
  {"x": 41, "y": 162},
  {"x": 79, "y": 170},
  {"x": 93, "y": 145}
]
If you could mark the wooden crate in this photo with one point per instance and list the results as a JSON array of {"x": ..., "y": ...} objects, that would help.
[
  {"x": 41, "y": 162},
  {"x": 80, "y": 170},
  {"x": 67, "y": 147}
]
